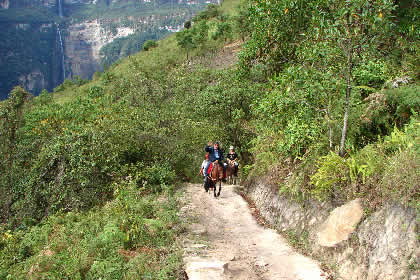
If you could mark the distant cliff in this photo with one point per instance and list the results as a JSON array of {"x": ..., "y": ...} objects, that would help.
[{"x": 52, "y": 40}]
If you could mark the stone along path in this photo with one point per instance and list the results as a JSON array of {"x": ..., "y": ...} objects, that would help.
[{"x": 224, "y": 241}]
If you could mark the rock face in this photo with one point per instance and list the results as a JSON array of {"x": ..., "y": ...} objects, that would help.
[
  {"x": 82, "y": 46},
  {"x": 33, "y": 56},
  {"x": 34, "y": 80},
  {"x": 198, "y": 268},
  {"x": 383, "y": 245},
  {"x": 29, "y": 57},
  {"x": 340, "y": 224}
]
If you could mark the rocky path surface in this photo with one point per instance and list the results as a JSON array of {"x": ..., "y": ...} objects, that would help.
[{"x": 224, "y": 241}]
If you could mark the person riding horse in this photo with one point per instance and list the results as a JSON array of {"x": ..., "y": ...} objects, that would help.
[
  {"x": 232, "y": 158},
  {"x": 215, "y": 154}
]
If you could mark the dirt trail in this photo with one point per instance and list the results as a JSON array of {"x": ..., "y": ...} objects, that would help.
[{"x": 225, "y": 242}]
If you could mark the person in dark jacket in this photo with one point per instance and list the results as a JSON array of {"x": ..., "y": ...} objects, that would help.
[
  {"x": 232, "y": 157},
  {"x": 215, "y": 153}
]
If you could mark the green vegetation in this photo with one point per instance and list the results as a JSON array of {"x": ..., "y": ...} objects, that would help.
[
  {"x": 149, "y": 44},
  {"x": 125, "y": 46},
  {"x": 330, "y": 67},
  {"x": 92, "y": 167},
  {"x": 132, "y": 237}
]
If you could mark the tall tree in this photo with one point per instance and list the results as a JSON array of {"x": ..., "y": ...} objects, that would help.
[
  {"x": 355, "y": 28},
  {"x": 11, "y": 119},
  {"x": 185, "y": 40},
  {"x": 327, "y": 36}
]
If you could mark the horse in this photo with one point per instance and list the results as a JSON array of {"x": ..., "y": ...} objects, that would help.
[
  {"x": 216, "y": 176},
  {"x": 230, "y": 172}
]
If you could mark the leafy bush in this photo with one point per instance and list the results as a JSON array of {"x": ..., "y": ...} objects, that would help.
[
  {"x": 402, "y": 102},
  {"x": 149, "y": 44},
  {"x": 331, "y": 177},
  {"x": 388, "y": 108},
  {"x": 365, "y": 163},
  {"x": 401, "y": 177},
  {"x": 132, "y": 236},
  {"x": 152, "y": 178},
  {"x": 95, "y": 91},
  {"x": 211, "y": 11},
  {"x": 372, "y": 74}
]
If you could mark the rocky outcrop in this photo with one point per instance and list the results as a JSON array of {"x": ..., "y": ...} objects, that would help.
[
  {"x": 341, "y": 222},
  {"x": 198, "y": 268},
  {"x": 29, "y": 57},
  {"x": 83, "y": 43},
  {"x": 33, "y": 81},
  {"x": 382, "y": 245}
]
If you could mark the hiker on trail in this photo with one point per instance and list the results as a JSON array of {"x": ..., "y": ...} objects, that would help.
[
  {"x": 232, "y": 158},
  {"x": 215, "y": 153},
  {"x": 203, "y": 165}
]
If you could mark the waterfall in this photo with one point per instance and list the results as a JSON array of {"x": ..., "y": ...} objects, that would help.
[
  {"x": 62, "y": 52},
  {"x": 60, "y": 8}
]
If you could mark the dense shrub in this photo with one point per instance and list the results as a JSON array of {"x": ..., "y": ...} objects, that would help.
[
  {"x": 331, "y": 178},
  {"x": 149, "y": 44},
  {"x": 131, "y": 237}
]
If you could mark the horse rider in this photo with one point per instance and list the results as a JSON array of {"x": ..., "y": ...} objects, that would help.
[
  {"x": 232, "y": 157},
  {"x": 215, "y": 153}
]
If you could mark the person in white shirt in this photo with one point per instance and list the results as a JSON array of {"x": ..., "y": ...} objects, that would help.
[{"x": 203, "y": 166}]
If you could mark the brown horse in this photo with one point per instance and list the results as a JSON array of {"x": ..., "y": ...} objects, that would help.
[
  {"x": 230, "y": 172},
  {"x": 216, "y": 176}
]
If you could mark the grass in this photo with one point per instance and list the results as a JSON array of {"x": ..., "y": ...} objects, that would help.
[
  {"x": 230, "y": 7},
  {"x": 298, "y": 241}
]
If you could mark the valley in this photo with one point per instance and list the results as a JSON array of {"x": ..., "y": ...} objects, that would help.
[{"x": 50, "y": 41}]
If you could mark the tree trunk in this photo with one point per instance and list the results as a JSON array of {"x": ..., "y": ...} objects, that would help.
[
  {"x": 348, "y": 92},
  {"x": 330, "y": 136},
  {"x": 330, "y": 128}
]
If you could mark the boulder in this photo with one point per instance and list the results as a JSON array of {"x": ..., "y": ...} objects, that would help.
[
  {"x": 340, "y": 224},
  {"x": 198, "y": 268}
]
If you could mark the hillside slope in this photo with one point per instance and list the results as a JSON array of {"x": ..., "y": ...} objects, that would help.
[{"x": 323, "y": 124}]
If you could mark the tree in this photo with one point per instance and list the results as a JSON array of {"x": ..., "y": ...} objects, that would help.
[
  {"x": 11, "y": 119},
  {"x": 223, "y": 30},
  {"x": 356, "y": 28},
  {"x": 242, "y": 24},
  {"x": 328, "y": 38},
  {"x": 276, "y": 32},
  {"x": 194, "y": 37},
  {"x": 187, "y": 24},
  {"x": 185, "y": 40},
  {"x": 200, "y": 33},
  {"x": 211, "y": 11},
  {"x": 149, "y": 44}
]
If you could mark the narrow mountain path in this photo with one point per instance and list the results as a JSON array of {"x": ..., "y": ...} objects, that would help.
[{"x": 224, "y": 241}]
